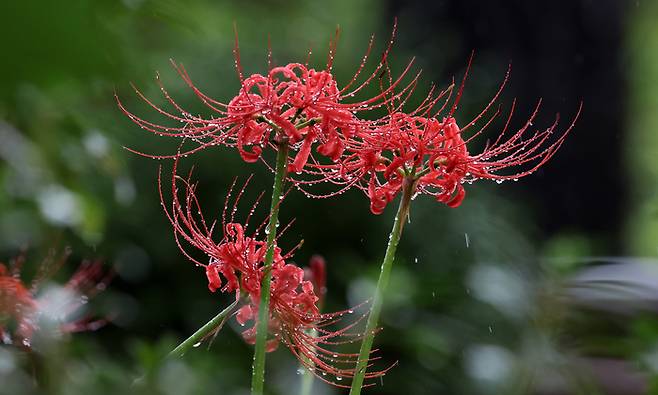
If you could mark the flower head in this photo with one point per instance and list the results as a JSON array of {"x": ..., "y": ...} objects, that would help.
[
  {"x": 236, "y": 263},
  {"x": 23, "y": 308},
  {"x": 293, "y": 104},
  {"x": 432, "y": 152}
]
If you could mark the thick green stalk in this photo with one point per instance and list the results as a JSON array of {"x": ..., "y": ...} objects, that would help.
[
  {"x": 204, "y": 331},
  {"x": 258, "y": 373},
  {"x": 384, "y": 275}
]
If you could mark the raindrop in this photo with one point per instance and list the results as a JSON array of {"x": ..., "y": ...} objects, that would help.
[
  {"x": 196, "y": 344},
  {"x": 467, "y": 239}
]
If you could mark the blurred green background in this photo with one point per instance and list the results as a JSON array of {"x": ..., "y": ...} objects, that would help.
[{"x": 545, "y": 286}]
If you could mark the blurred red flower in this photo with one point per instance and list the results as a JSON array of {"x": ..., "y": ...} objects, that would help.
[{"x": 24, "y": 308}]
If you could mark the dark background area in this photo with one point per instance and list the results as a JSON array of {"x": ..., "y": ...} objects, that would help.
[{"x": 562, "y": 52}]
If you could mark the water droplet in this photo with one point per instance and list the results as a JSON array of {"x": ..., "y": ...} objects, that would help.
[{"x": 196, "y": 344}]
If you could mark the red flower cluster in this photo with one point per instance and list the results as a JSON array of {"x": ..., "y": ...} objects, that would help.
[
  {"x": 303, "y": 107},
  {"x": 432, "y": 155},
  {"x": 22, "y": 308},
  {"x": 296, "y": 107},
  {"x": 236, "y": 264},
  {"x": 292, "y": 104}
]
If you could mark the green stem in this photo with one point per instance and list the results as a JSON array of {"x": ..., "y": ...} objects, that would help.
[
  {"x": 204, "y": 331},
  {"x": 377, "y": 300},
  {"x": 258, "y": 373},
  {"x": 307, "y": 376}
]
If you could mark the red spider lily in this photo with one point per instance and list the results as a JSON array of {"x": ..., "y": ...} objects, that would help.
[
  {"x": 236, "y": 264},
  {"x": 434, "y": 155},
  {"x": 292, "y": 104},
  {"x": 22, "y": 308}
]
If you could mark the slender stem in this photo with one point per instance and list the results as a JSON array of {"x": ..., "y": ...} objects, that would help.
[
  {"x": 258, "y": 374},
  {"x": 307, "y": 376},
  {"x": 202, "y": 332},
  {"x": 377, "y": 300}
]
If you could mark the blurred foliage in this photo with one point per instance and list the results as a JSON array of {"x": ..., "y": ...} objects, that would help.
[
  {"x": 642, "y": 140},
  {"x": 483, "y": 300}
]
